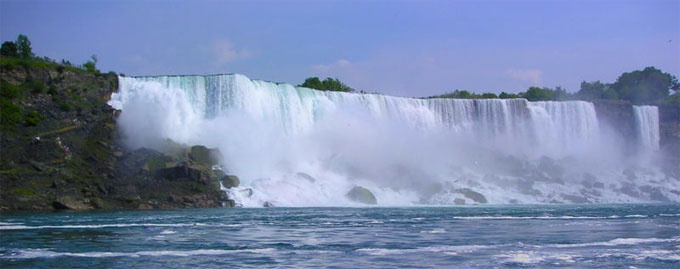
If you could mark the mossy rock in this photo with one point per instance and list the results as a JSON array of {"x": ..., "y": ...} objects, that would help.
[
  {"x": 362, "y": 195},
  {"x": 203, "y": 155},
  {"x": 230, "y": 181}
]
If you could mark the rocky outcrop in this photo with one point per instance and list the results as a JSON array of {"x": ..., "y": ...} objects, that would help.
[
  {"x": 472, "y": 195},
  {"x": 669, "y": 128},
  {"x": 57, "y": 138},
  {"x": 230, "y": 181},
  {"x": 362, "y": 195},
  {"x": 59, "y": 149}
]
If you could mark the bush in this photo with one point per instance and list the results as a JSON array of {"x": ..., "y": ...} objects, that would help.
[
  {"x": 65, "y": 106},
  {"x": 9, "y": 91},
  {"x": 33, "y": 118},
  {"x": 34, "y": 86},
  {"x": 10, "y": 114}
]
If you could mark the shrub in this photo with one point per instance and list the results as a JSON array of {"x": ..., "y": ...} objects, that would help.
[
  {"x": 65, "y": 106},
  {"x": 10, "y": 114},
  {"x": 9, "y": 91},
  {"x": 33, "y": 118}
]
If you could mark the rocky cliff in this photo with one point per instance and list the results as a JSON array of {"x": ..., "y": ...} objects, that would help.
[
  {"x": 58, "y": 149},
  {"x": 669, "y": 129}
]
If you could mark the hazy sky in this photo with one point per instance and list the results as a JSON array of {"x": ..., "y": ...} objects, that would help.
[{"x": 406, "y": 48}]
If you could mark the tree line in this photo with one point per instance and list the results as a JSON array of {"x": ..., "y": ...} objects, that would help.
[
  {"x": 20, "y": 52},
  {"x": 648, "y": 86}
]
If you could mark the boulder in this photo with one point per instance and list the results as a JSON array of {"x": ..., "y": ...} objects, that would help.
[
  {"x": 230, "y": 181},
  {"x": 70, "y": 203},
  {"x": 179, "y": 172},
  {"x": 472, "y": 195},
  {"x": 306, "y": 177},
  {"x": 202, "y": 155},
  {"x": 362, "y": 195}
]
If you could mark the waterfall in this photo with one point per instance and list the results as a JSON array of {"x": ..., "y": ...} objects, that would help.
[
  {"x": 647, "y": 127},
  {"x": 406, "y": 150}
]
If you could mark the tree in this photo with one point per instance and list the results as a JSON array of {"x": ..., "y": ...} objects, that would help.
[
  {"x": 538, "y": 94},
  {"x": 489, "y": 95},
  {"x": 596, "y": 90},
  {"x": 9, "y": 49},
  {"x": 312, "y": 83},
  {"x": 24, "y": 47},
  {"x": 328, "y": 84},
  {"x": 644, "y": 87},
  {"x": 91, "y": 65},
  {"x": 505, "y": 95}
]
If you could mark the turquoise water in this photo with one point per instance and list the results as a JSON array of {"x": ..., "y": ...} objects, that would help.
[{"x": 571, "y": 236}]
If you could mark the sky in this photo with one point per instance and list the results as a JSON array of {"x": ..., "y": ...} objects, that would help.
[{"x": 402, "y": 48}]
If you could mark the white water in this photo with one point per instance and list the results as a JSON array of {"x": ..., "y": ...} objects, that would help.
[
  {"x": 647, "y": 126},
  {"x": 405, "y": 150}
]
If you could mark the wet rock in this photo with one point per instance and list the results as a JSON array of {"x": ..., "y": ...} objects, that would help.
[
  {"x": 179, "y": 172},
  {"x": 145, "y": 207},
  {"x": 268, "y": 204},
  {"x": 362, "y": 195},
  {"x": 230, "y": 181},
  {"x": 306, "y": 177},
  {"x": 459, "y": 201},
  {"x": 203, "y": 155},
  {"x": 575, "y": 199},
  {"x": 472, "y": 195},
  {"x": 70, "y": 203}
]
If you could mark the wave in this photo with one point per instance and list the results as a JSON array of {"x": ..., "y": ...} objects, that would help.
[
  {"x": 122, "y": 225},
  {"x": 547, "y": 217},
  {"x": 42, "y": 253}
]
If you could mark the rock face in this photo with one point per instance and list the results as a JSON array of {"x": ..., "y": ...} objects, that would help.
[
  {"x": 59, "y": 149},
  {"x": 669, "y": 128},
  {"x": 362, "y": 195},
  {"x": 618, "y": 115}
]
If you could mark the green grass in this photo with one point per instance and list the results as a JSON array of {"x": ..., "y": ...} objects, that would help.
[{"x": 23, "y": 191}]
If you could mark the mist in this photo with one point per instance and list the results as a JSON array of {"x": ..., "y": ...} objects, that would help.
[{"x": 406, "y": 151}]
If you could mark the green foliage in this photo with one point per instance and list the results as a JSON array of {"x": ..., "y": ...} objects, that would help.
[
  {"x": 156, "y": 163},
  {"x": 328, "y": 84},
  {"x": 23, "y": 191},
  {"x": 65, "y": 106},
  {"x": 596, "y": 90},
  {"x": 673, "y": 99},
  {"x": 52, "y": 90},
  {"x": 91, "y": 65},
  {"x": 505, "y": 95},
  {"x": 24, "y": 47},
  {"x": 538, "y": 94},
  {"x": 464, "y": 94},
  {"x": 9, "y": 49},
  {"x": 9, "y": 91},
  {"x": 33, "y": 118},
  {"x": 489, "y": 96},
  {"x": 644, "y": 87},
  {"x": 34, "y": 86},
  {"x": 10, "y": 114}
]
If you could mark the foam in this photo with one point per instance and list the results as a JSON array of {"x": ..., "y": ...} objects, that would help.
[
  {"x": 121, "y": 225},
  {"x": 398, "y": 148},
  {"x": 43, "y": 253},
  {"x": 619, "y": 242}
]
